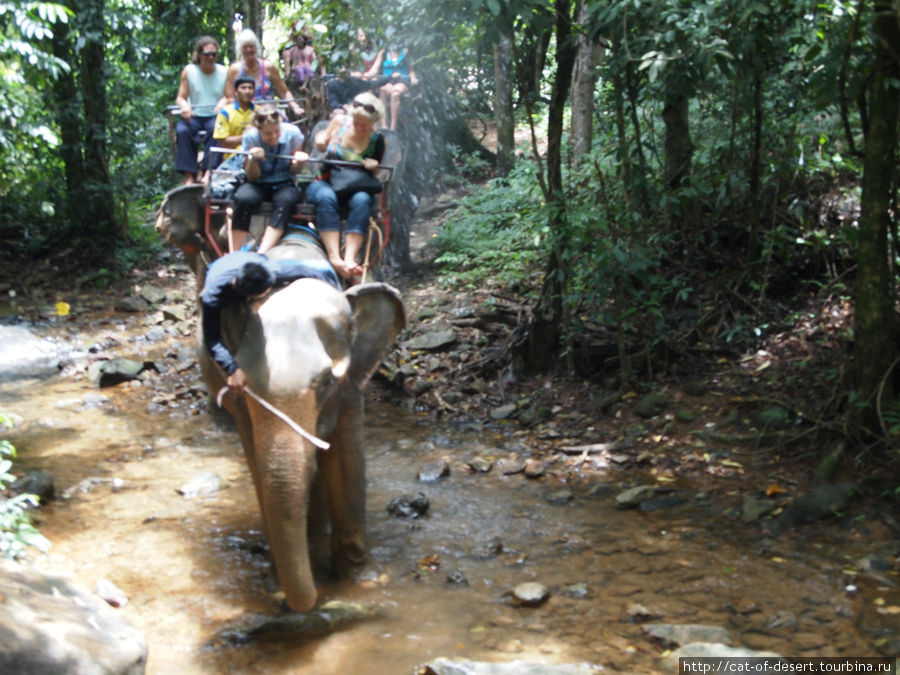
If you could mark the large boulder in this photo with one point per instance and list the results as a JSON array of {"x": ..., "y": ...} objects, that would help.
[{"x": 49, "y": 625}]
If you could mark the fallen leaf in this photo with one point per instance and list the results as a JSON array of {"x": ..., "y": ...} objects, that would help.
[
  {"x": 774, "y": 489},
  {"x": 62, "y": 308}
]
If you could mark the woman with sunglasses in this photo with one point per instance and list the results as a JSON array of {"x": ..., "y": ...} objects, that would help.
[
  {"x": 199, "y": 99},
  {"x": 349, "y": 137},
  {"x": 265, "y": 73},
  {"x": 268, "y": 142}
]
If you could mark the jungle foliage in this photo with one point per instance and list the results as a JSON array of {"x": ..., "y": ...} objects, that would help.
[{"x": 732, "y": 164}]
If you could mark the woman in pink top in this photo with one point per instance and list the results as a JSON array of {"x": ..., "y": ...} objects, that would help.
[{"x": 265, "y": 73}]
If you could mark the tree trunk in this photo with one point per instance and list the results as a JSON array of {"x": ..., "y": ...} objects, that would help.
[
  {"x": 547, "y": 328},
  {"x": 583, "y": 83},
  {"x": 874, "y": 321},
  {"x": 503, "y": 108},
  {"x": 678, "y": 147},
  {"x": 99, "y": 213},
  {"x": 67, "y": 108}
]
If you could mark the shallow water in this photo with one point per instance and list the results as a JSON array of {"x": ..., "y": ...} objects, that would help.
[{"x": 193, "y": 567}]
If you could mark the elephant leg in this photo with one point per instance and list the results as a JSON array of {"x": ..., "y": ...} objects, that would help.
[
  {"x": 285, "y": 470},
  {"x": 344, "y": 471}
]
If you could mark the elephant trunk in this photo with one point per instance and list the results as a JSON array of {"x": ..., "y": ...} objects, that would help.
[{"x": 286, "y": 467}]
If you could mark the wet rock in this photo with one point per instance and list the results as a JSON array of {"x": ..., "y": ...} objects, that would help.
[
  {"x": 530, "y": 594},
  {"x": 155, "y": 334},
  {"x": 560, "y": 497},
  {"x": 652, "y": 404},
  {"x": 202, "y": 484},
  {"x": 534, "y": 468},
  {"x": 432, "y": 341},
  {"x": 298, "y": 627},
  {"x": 446, "y": 666},
  {"x": 94, "y": 400},
  {"x": 504, "y": 411},
  {"x": 49, "y": 625},
  {"x": 634, "y": 496},
  {"x": 89, "y": 484},
  {"x": 132, "y": 304},
  {"x": 457, "y": 578},
  {"x": 113, "y": 595},
  {"x": 409, "y": 506},
  {"x": 677, "y": 635},
  {"x": 510, "y": 466},
  {"x": 176, "y": 313},
  {"x": 823, "y": 501},
  {"x": 662, "y": 502},
  {"x": 638, "y": 612},
  {"x": 756, "y": 507},
  {"x": 579, "y": 590},
  {"x": 601, "y": 490},
  {"x": 38, "y": 483},
  {"x": 782, "y": 619},
  {"x": 115, "y": 371},
  {"x": 433, "y": 471},
  {"x": 480, "y": 465},
  {"x": 152, "y": 295}
]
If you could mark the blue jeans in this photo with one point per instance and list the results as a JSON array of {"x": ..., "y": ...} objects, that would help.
[
  {"x": 328, "y": 217},
  {"x": 187, "y": 140},
  {"x": 284, "y": 198}
]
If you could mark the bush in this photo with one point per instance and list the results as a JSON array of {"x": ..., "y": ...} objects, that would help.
[{"x": 16, "y": 529}]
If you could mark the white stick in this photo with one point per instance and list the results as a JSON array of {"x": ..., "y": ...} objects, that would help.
[{"x": 318, "y": 442}]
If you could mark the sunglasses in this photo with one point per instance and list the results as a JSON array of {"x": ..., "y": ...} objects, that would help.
[
  {"x": 268, "y": 117},
  {"x": 210, "y": 53},
  {"x": 368, "y": 107}
]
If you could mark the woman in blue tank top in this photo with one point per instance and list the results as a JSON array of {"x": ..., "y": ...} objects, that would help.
[{"x": 396, "y": 65}]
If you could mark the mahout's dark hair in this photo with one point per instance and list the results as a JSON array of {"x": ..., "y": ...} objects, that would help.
[{"x": 253, "y": 278}]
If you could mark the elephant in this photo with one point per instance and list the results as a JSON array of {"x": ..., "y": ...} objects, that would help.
[{"x": 308, "y": 349}]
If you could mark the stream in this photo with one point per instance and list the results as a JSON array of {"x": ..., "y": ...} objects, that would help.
[{"x": 192, "y": 568}]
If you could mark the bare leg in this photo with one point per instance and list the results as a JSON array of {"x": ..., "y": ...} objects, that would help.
[
  {"x": 189, "y": 178},
  {"x": 270, "y": 237},
  {"x": 238, "y": 237},
  {"x": 352, "y": 243},
  {"x": 332, "y": 241}
]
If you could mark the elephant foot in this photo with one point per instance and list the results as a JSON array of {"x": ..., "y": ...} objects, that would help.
[{"x": 363, "y": 570}]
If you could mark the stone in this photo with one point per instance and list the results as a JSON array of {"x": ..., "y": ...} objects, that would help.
[
  {"x": 652, "y": 404},
  {"x": 697, "y": 650},
  {"x": 38, "y": 482},
  {"x": 677, "y": 635},
  {"x": 634, "y": 496},
  {"x": 202, "y": 484},
  {"x": 298, "y": 627},
  {"x": 530, "y": 594},
  {"x": 504, "y": 411},
  {"x": 823, "y": 501},
  {"x": 132, "y": 304},
  {"x": 114, "y": 371},
  {"x": 560, "y": 497},
  {"x": 756, "y": 507},
  {"x": 50, "y": 625},
  {"x": 511, "y": 465},
  {"x": 433, "y": 471},
  {"x": 662, "y": 502},
  {"x": 409, "y": 507},
  {"x": 432, "y": 341},
  {"x": 480, "y": 464}
]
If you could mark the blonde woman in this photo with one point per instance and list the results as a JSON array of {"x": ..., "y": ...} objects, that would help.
[
  {"x": 350, "y": 137},
  {"x": 265, "y": 73}
]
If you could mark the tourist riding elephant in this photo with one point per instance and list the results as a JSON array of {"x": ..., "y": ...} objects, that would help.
[{"x": 308, "y": 349}]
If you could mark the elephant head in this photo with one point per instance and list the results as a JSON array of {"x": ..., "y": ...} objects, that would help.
[{"x": 309, "y": 350}]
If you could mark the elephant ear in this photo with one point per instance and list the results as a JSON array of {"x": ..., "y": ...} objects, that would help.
[{"x": 378, "y": 317}]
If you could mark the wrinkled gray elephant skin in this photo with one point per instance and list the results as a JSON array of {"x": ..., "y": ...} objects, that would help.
[{"x": 309, "y": 350}]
